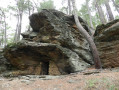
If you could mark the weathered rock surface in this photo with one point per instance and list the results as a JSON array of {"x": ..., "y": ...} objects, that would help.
[
  {"x": 3, "y": 62},
  {"x": 107, "y": 41},
  {"x": 54, "y": 46}
]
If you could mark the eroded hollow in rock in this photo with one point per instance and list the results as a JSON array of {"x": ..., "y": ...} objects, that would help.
[{"x": 40, "y": 60}]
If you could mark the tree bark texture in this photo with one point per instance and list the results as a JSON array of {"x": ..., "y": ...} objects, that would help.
[{"x": 109, "y": 11}]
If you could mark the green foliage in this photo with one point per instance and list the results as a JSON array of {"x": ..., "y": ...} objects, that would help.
[
  {"x": 21, "y": 5},
  {"x": 117, "y": 2},
  {"x": 96, "y": 20},
  {"x": 91, "y": 83},
  {"x": 46, "y": 5},
  {"x": 10, "y": 38},
  {"x": 116, "y": 17},
  {"x": 83, "y": 12},
  {"x": 112, "y": 87},
  {"x": 101, "y": 2},
  {"x": 29, "y": 4},
  {"x": 12, "y": 8},
  {"x": 3, "y": 25},
  {"x": 12, "y": 45}
]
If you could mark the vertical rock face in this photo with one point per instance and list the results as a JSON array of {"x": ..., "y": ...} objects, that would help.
[
  {"x": 54, "y": 45},
  {"x": 107, "y": 41},
  {"x": 3, "y": 62}
]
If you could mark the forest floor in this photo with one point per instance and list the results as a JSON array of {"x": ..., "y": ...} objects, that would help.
[{"x": 90, "y": 79}]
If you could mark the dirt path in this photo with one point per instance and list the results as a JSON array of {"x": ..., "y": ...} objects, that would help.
[{"x": 87, "y": 80}]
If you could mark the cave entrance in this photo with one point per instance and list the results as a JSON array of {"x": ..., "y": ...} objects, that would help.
[
  {"x": 44, "y": 68},
  {"x": 49, "y": 68}
]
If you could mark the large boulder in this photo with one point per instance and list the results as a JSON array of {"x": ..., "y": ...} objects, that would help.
[
  {"x": 54, "y": 46},
  {"x": 107, "y": 41}
]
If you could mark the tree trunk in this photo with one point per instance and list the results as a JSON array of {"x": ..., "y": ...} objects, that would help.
[
  {"x": 88, "y": 38},
  {"x": 29, "y": 11},
  {"x": 2, "y": 33},
  {"x": 19, "y": 23},
  {"x": 36, "y": 6},
  {"x": 2, "y": 43},
  {"x": 89, "y": 13},
  {"x": 100, "y": 12},
  {"x": 109, "y": 11},
  {"x": 90, "y": 17},
  {"x": 5, "y": 28},
  {"x": 116, "y": 6},
  {"x": 69, "y": 7},
  {"x": 20, "y": 26},
  {"x": 17, "y": 28}
]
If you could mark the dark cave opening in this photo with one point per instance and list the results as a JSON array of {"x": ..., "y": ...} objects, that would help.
[{"x": 45, "y": 68}]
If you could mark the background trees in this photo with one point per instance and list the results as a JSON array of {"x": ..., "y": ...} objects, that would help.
[
  {"x": 3, "y": 27},
  {"x": 44, "y": 5},
  {"x": 109, "y": 11},
  {"x": 68, "y": 8},
  {"x": 95, "y": 12},
  {"x": 19, "y": 8},
  {"x": 116, "y": 4}
]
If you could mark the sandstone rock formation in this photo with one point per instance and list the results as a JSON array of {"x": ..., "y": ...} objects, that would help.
[
  {"x": 54, "y": 46},
  {"x": 107, "y": 41},
  {"x": 3, "y": 62}
]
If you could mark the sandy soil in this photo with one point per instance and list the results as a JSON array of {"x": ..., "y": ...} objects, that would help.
[{"x": 90, "y": 79}]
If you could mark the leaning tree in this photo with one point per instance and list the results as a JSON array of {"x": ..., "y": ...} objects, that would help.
[{"x": 88, "y": 38}]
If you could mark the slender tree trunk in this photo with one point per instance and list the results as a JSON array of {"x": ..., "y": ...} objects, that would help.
[
  {"x": 29, "y": 8},
  {"x": 20, "y": 26},
  {"x": 2, "y": 30},
  {"x": 116, "y": 6},
  {"x": 5, "y": 28},
  {"x": 89, "y": 13},
  {"x": 88, "y": 38},
  {"x": 2, "y": 33},
  {"x": 100, "y": 12},
  {"x": 29, "y": 11},
  {"x": 2, "y": 40},
  {"x": 32, "y": 9},
  {"x": 69, "y": 7},
  {"x": 90, "y": 17},
  {"x": 109, "y": 11},
  {"x": 17, "y": 28},
  {"x": 35, "y": 5}
]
